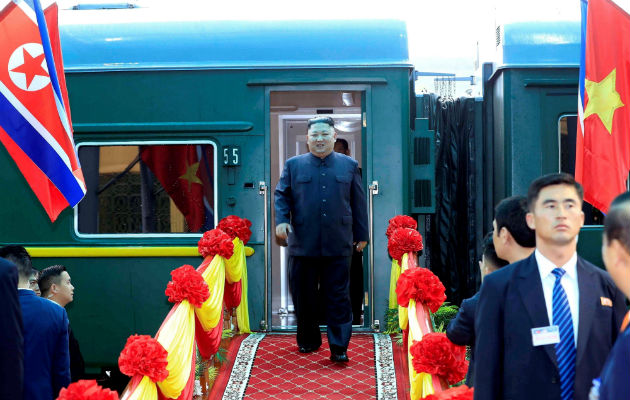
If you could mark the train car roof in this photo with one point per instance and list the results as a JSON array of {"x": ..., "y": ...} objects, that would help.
[
  {"x": 539, "y": 44},
  {"x": 137, "y": 39}
]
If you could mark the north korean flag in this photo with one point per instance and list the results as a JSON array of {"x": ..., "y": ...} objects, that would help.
[{"x": 34, "y": 113}]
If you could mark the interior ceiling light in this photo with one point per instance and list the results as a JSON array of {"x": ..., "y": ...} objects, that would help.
[
  {"x": 347, "y": 99},
  {"x": 348, "y": 126}
]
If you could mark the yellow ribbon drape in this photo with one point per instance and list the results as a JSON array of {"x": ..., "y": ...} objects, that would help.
[
  {"x": 242, "y": 311},
  {"x": 210, "y": 312},
  {"x": 146, "y": 390},
  {"x": 421, "y": 383},
  {"x": 393, "y": 280},
  {"x": 177, "y": 336},
  {"x": 403, "y": 316},
  {"x": 234, "y": 265}
]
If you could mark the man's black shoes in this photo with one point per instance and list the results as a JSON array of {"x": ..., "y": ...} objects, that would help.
[
  {"x": 305, "y": 349},
  {"x": 339, "y": 357}
]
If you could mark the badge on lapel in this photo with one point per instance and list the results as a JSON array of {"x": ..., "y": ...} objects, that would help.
[{"x": 606, "y": 302}]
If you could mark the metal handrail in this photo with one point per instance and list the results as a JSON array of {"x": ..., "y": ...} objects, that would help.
[
  {"x": 373, "y": 189},
  {"x": 262, "y": 190}
]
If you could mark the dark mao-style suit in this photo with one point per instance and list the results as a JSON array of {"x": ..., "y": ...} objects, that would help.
[
  {"x": 511, "y": 303},
  {"x": 324, "y": 201}
]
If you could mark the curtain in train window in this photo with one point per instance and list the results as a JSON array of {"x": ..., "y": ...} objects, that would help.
[{"x": 156, "y": 188}]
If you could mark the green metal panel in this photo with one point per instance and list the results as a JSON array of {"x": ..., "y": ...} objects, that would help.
[{"x": 421, "y": 153}]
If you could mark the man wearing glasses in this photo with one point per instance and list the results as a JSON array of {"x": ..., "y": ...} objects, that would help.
[{"x": 321, "y": 211}]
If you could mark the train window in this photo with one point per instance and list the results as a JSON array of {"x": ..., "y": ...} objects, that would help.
[
  {"x": 567, "y": 129},
  {"x": 147, "y": 188}
]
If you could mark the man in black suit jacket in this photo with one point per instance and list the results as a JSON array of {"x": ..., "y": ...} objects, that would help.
[
  {"x": 513, "y": 360},
  {"x": 56, "y": 285},
  {"x": 461, "y": 330},
  {"x": 321, "y": 209},
  {"x": 11, "y": 340},
  {"x": 46, "y": 359}
]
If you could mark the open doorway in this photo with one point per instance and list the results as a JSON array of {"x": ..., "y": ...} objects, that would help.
[{"x": 289, "y": 112}]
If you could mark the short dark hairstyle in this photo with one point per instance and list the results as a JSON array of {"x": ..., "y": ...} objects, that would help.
[
  {"x": 320, "y": 120},
  {"x": 617, "y": 221},
  {"x": 20, "y": 257},
  {"x": 49, "y": 276},
  {"x": 510, "y": 214},
  {"x": 490, "y": 254},
  {"x": 344, "y": 143},
  {"x": 539, "y": 184}
]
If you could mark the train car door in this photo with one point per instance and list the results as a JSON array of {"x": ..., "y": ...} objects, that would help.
[{"x": 289, "y": 110}]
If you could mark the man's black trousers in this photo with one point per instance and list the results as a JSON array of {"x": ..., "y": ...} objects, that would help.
[{"x": 332, "y": 275}]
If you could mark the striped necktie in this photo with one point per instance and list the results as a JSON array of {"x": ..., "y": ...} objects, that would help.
[{"x": 565, "y": 349}]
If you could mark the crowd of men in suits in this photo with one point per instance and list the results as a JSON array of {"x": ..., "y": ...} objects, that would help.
[
  {"x": 550, "y": 325},
  {"x": 38, "y": 352}
]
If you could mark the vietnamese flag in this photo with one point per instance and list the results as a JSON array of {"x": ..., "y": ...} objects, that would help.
[
  {"x": 177, "y": 167},
  {"x": 603, "y": 138}
]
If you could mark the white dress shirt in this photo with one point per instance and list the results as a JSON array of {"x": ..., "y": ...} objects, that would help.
[{"x": 569, "y": 282}]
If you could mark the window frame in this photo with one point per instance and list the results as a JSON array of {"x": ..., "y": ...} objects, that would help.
[{"x": 138, "y": 142}]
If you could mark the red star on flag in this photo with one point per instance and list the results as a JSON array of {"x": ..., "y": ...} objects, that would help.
[{"x": 31, "y": 67}]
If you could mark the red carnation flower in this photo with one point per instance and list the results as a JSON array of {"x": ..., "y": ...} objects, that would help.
[
  {"x": 462, "y": 392},
  {"x": 404, "y": 240},
  {"x": 436, "y": 355},
  {"x": 214, "y": 242},
  {"x": 86, "y": 390},
  {"x": 400, "y": 221},
  {"x": 144, "y": 356},
  {"x": 423, "y": 286},
  {"x": 236, "y": 227},
  {"x": 187, "y": 284}
]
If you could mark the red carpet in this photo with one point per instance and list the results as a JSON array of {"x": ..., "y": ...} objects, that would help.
[{"x": 279, "y": 372}]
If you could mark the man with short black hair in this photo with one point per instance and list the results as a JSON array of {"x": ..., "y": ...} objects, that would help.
[
  {"x": 461, "y": 330},
  {"x": 56, "y": 285},
  {"x": 321, "y": 209},
  {"x": 46, "y": 359},
  {"x": 513, "y": 239},
  {"x": 615, "y": 376},
  {"x": 546, "y": 323},
  {"x": 341, "y": 146}
]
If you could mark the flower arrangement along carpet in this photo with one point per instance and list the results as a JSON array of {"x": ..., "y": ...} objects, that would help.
[{"x": 268, "y": 366}]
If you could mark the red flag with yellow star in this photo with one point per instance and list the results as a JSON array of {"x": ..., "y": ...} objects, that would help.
[
  {"x": 177, "y": 169},
  {"x": 603, "y": 139}
]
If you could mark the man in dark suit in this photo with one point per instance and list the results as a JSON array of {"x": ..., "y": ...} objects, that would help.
[
  {"x": 56, "y": 285},
  {"x": 321, "y": 210},
  {"x": 513, "y": 239},
  {"x": 46, "y": 359},
  {"x": 546, "y": 323},
  {"x": 461, "y": 330},
  {"x": 11, "y": 341},
  {"x": 615, "y": 376}
]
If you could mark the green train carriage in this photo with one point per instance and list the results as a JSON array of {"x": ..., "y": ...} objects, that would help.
[{"x": 239, "y": 93}]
